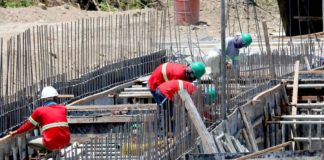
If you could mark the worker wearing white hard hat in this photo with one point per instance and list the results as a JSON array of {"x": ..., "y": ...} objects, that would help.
[{"x": 52, "y": 118}]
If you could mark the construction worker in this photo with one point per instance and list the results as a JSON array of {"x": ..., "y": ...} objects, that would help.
[
  {"x": 52, "y": 118},
  {"x": 174, "y": 71},
  {"x": 233, "y": 46},
  {"x": 166, "y": 91}
]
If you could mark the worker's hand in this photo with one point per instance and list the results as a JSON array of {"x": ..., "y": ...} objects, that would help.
[
  {"x": 12, "y": 133},
  {"x": 228, "y": 65}
]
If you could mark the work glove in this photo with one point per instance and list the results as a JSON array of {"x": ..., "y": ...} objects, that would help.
[
  {"x": 12, "y": 133},
  {"x": 229, "y": 64}
]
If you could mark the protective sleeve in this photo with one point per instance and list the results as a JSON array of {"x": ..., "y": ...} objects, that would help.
[{"x": 31, "y": 123}]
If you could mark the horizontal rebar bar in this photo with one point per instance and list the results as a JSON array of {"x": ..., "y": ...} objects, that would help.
[{"x": 296, "y": 122}]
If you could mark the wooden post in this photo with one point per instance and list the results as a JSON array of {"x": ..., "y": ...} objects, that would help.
[
  {"x": 206, "y": 138},
  {"x": 307, "y": 63},
  {"x": 246, "y": 137},
  {"x": 267, "y": 43},
  {"x": 249, "y": 130},
  {"x": 294, "y": 99},
  {"x": 323, "y": 13}
]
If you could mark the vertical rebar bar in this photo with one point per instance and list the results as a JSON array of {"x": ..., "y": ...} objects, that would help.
[{"x": 223, "y": 68}]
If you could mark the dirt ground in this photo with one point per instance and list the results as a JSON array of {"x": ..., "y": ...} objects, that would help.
[
  {"x": 13, "y": 20},
  {"x": 210, "y": 19}
]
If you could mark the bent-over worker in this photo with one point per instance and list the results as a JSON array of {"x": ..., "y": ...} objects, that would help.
[
  {"x": 165, "y": 92},
  {"x": 233, "y": 46},
  {"x": 173, "y": 71}
]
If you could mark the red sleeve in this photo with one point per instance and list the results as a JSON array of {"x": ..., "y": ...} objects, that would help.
[
  {"x": 32, "y": 122},
  {"x": 190, "y": 87},
  {"x": 25, "y": 127}
]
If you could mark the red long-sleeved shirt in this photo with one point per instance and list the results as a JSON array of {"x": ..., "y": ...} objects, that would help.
[
  {"x": 53, "y": 121},
  {"x": 171, "y": 87},
  {"x": 173, "y": 70}
]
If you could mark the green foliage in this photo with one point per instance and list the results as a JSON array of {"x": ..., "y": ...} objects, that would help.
[
  {"x": 106, "y": 7},
  {"x": 103, "y": 6},
  {"x": 127, "y": 4},
  {"x": 17, "y": 3}
]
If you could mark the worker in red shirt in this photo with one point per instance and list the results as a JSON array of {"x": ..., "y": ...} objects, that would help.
[
  {"x": 166, "y": 91},
  {"x": 174, "y": 71},
  {"x": 52, "y": 118}
]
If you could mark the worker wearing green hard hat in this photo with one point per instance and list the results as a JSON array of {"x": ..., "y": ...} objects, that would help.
[
  {"x": 211, "y": 94},
  {"x": 232, "y": 51},
  {"x": 232, "y": 46}
]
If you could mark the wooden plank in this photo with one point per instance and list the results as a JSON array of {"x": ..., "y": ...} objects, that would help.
[
  {"x": 307, "y": 63},
  {"x": 318, "y": 68},
  {"x": 267, "y": 150},
  {"x": 206, "y": 138},
  {"x": 311, "y": 98},
  {"x": 308, "y": 18},
  {"x": 229, "y": 143},
  {"x": 312, "y": 72},
  {"x": 65, "y": 96},
  {"x": 228, "y": 147},
  {"x": 5, "y": 138},
  {"x": 137, "y": 95},
  {"x": 265, "y": 93},
  {"x": 247, "y": 140},
  {"x": 143, "y": 79},
  {"x": 137, "y": 89},
  {"x": 295, "y": 99},
  {"x": 239, "y": 147},
  {"x": 249, "y": 129},
  {"x": 137, "y": 86},
  {"x": 295, "y": 88},
  {"x": 113, "y": 107},
  {"x": 219, "y": 145},
  {"x": 136, "y": 92},
  {"x": 107, "y": 119},
  {"x": 102, "y": 94}
]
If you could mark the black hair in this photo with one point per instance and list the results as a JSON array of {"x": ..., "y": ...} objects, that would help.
[
  {"x": 55, "y": 99},
  {"x": 189, "y": 74}
]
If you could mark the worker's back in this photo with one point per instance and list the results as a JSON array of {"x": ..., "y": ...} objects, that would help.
[
  {"x": 53, "y": 120},
  {"x": 213, "y": 60},
  {"x": 172, "y": 87},
  {"x": 173, "y": 71}
]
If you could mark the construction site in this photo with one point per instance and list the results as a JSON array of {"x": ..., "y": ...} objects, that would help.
[{"x": 100, "y": 64}]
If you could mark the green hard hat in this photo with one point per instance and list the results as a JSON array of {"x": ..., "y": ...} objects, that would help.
[
  {"x": 247, "y": 39},
  {"x": 135, "y": 126},
  {"x": 198, "y": 68},
  {"x": 211, "y": 94}
]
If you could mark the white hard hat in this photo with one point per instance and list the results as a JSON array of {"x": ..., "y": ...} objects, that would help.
[{"x": 48, "y": 92}]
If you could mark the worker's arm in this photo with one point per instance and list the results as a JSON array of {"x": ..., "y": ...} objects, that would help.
[
  {"x": 24, "y": 128},
  {"x": 31, "y": 123}
]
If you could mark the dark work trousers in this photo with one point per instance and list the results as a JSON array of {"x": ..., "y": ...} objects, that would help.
[{"x": 165, "y": 113}]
